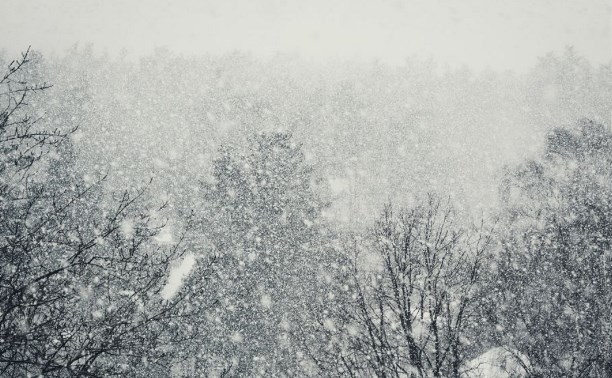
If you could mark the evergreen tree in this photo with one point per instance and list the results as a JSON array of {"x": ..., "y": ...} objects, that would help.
[{"x": 263, "y": 217}]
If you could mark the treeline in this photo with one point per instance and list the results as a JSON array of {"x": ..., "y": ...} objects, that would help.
[
  {"x": 374, "y": 131},
  {"x": 278, "y": 289}
]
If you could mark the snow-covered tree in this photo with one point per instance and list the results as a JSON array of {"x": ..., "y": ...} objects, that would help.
[
  {"x": 263, "y": 218},
  {"x": 552, "y": 300}
]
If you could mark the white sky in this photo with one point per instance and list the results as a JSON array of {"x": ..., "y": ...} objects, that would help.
[{"x": 499, "y": 34}]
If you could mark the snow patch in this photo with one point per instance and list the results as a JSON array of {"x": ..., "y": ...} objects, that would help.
[
  {"x": 127, "y": 228},
  {"x": 164, "y": 236},
  {"x": 497, "y": 363},
  {"x": 176, "y": 276},
  {"x": 237, "y": 337},
  {"x": 266, "y": 301}
]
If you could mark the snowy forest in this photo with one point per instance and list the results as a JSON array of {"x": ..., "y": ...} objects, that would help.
[{"x": 234, "y": 216}]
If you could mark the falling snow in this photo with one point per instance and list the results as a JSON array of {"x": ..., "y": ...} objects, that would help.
[{"x": 229, "y": 213}]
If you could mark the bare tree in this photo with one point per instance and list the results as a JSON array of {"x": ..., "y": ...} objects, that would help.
[
  {"x": 81, "y": 274},
  {"x": 414, "y": 307}
]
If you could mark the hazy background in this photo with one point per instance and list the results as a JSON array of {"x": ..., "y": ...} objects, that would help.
[
  {"x": 389, "y": 98},
  {"x": 479, "y": 33}
]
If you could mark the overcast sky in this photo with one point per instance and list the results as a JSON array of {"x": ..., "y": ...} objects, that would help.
[{"x": 499, "y": 34}]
